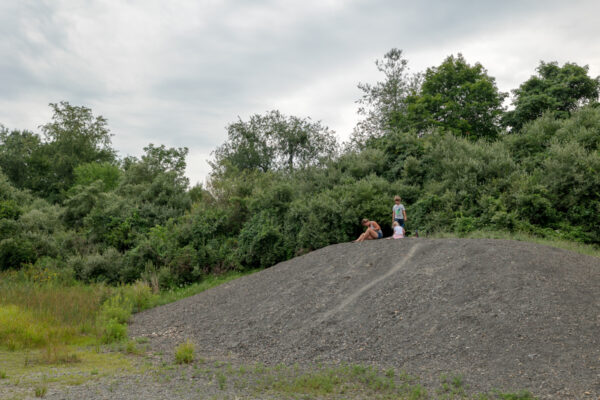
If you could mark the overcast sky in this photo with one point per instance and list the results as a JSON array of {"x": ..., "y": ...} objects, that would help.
[{"x": 177, "y": 72}]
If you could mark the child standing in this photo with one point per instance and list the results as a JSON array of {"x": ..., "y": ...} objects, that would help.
[{"x": 399, "y": 212}]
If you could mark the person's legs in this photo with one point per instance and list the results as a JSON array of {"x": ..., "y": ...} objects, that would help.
[
  {"x": 370, "y": 234},
  {"x": 360, "y": 238},
  {"x": 400, "y": 221}
]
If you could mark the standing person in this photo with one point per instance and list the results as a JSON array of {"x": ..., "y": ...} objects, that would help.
[
  {"x": 399, "y": 212},
  {"x": 373, "y": 231}
]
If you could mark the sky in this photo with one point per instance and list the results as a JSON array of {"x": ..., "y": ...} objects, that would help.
[{"x": 178, "y": 72}]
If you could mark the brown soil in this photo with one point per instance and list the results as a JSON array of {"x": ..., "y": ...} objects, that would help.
[{"x": 506, "y": 315}]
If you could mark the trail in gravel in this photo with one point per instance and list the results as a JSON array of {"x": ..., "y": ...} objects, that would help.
[{"x": 504, "y": 314}]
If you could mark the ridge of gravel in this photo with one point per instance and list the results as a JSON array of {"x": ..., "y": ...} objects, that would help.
[{"x": 505, "y": 314}]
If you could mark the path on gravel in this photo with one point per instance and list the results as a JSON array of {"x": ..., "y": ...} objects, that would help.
[{"x": 505, "y": 314}]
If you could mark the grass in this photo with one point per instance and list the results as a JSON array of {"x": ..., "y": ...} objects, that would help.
[
  {"x": 29, "y": 369},
  {"x": 37, "y": 310},
  {"x": 184, "y": 353},
  {"x": 48, "y": 326},
  {"x": 576, "y": 247},
  {"x": 325, "y": 382},
  {"x": 40, "y": 391}
]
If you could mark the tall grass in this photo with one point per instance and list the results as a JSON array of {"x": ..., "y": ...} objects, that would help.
[{"x": 38, "y": 308}]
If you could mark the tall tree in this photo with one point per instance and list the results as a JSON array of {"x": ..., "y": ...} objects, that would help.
[
  {"x": 274, "y": 142},
  {"x": 555, "y": 89},
  {"x": 383, "y": 105},
  {"x": 458, "y": 97},
  {"x": 45, "y": 166},
  {"x": 19, "y": 157}
]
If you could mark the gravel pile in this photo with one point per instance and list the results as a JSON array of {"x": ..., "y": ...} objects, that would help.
[{"x": 507, "y": 315}]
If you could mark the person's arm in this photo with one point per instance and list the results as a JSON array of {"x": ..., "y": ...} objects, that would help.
[{"x": 404, "y": 213}]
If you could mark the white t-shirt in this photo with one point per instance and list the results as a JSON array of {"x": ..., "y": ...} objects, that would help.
[
  {"x": 397, "y": 209},
  {"x": 398, "y": 232}
]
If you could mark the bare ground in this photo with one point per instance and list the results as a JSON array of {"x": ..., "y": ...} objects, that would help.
[{"x": 506, "y": 315}]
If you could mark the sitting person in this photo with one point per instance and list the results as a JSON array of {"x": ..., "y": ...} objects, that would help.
[
  {"x": 398, "y": 231},
  {"x": 373, "y": 231}
]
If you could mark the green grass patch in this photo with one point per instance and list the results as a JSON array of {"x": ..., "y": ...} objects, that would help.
[
  {"x": 184, "y": 353},
  {"x": 38, "y": 309},
  {"x": 28, "y": 367}
]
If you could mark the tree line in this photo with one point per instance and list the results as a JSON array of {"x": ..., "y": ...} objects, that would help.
[{"x": 282, "y": 185}]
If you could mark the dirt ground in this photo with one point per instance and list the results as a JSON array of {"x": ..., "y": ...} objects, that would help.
[{"x": 506, "y": 315}]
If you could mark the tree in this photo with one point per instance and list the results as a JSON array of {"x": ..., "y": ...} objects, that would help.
[
  {"x": 558, "y": 90},
  {"x": 19, "y": 157},
  {"x": 383, "y": 105},
  {"x": 274, "y": 142},
  {"x": 458, "y": 97}
]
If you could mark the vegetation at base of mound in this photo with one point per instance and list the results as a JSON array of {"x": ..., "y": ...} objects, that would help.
[
  {"x": 282, "y": 186},
  {"x": 219, "y": 379},
  {"x": 43, "y": 310},
  {"x": 346, "y": 381},
  {"x": 28, "y": 370}
]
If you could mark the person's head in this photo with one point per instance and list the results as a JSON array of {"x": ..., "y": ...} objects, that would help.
[
  {"x": 395, "y": 224},
  {"x": 397, "y": 199},
  {"x": 365, "y": 222}
]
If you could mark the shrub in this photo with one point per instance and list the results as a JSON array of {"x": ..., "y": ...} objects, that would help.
[
  {"x": 9, "y": 209},
  {"x": 105, "y": 267},
  {"x": 139, "y": 295},
  {"x": 113, "y": 331},
  {"x": 118, "y": 308},
  {"x": 15, "y": 252},
  {"x": 184, "y": 353},
  {"x": 261, "y": 243}
]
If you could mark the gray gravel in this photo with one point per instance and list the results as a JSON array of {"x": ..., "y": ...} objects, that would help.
[{"x": 505, "y": 314}]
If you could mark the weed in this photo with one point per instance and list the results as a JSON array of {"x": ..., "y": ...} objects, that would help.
[
  {"x": 141, "y": 340},
  {"x": 131, "y": 348},
  {"x": 113, "y": 331},
  {"x": 184, "y": 353},
  {"x": 117, "y": 308},
  {"x": 2, "y": 375},
  {"x": 40, "y": 391},
  {"x": 523, "y": 395},
  {"x": 221, "y": 380}
]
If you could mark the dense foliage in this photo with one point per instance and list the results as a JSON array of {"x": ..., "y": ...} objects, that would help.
[{"x": 281, "y": 187}]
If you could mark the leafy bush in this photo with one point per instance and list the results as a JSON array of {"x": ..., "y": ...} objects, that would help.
[
  {"x": 184, "y": 353},
  {"x": 15, "y": 252},
  {"x": 113, "y": 331},
  {"x": 105, "y": 267},
  {"x": 118, "y": 308},
  {"x": 261, "y": 242}
]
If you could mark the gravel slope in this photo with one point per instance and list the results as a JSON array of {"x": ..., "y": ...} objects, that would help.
[{"x": 505, "y": 314}]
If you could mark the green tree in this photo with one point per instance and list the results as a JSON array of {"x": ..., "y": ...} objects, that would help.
[
  {"x": 555, "y": 89},
  {"x": 274, "y": 142},
  {"x": 383, "y": 105},
  {"x": 458, "y": 97},
  {"x": 107, "y": 173},
  {"x": 20, "y": 157},
  {"x": 73, "y": 137}
]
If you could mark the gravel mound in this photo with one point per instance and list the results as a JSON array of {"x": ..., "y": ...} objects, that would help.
[{"x": 506, "y": 315}]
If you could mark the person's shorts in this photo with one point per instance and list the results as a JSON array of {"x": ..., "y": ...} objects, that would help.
[
  {"x": 400, "y": 221},
  {"x": 379, "y": 234}
]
